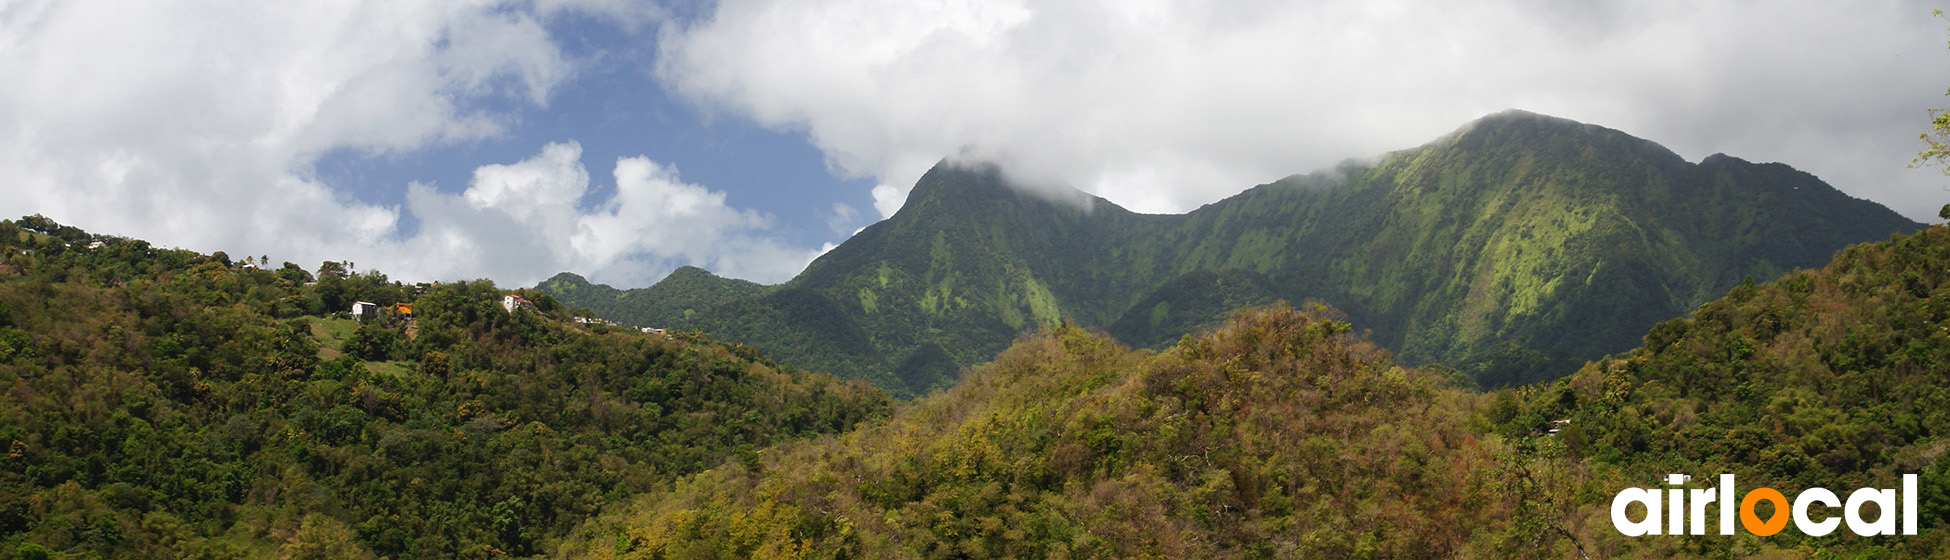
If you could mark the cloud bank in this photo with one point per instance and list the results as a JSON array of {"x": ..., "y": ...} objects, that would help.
[
  {"x": 196, "y": 123},
  {"x": 1162, "y": 105}
]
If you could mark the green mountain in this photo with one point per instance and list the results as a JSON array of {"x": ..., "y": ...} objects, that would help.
[
  {"x": 670, "y": 301},
  {"x": 1283, "y": 434},
  {"x": 1513, "y": 248},
  {"x": 168, "y": 404}
]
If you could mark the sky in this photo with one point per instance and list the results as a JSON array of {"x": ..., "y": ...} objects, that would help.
[{"x": 511, "y": 140}]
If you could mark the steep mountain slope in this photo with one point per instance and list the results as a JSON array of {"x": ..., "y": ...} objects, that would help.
[
  {"x": 971, "y": 262},
  {"x": 1190, "y": 302},
  {"x": 1515, "y": 247},
  {"x": 1528, "y": 231}
]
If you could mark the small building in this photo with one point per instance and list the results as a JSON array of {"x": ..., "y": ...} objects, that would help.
[
  {"x": 512, "y": 302},
  {"x": 364, "y": 309},
  {"x": 403, "y": 308}
]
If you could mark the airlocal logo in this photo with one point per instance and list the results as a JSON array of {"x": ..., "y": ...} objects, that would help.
[{"x": 1677, "y": 504}]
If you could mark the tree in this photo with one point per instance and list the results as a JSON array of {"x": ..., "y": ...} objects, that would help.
[
  {"x": 1937, "y": 139},
  {"x": 329, "y": 269},
  {"x": 293, "y": 273},
  {"x": 373, "y": 343}
]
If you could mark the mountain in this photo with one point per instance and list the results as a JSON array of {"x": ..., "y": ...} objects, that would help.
[
  {"x": 1528, "y": 232},
  {"x": 1285, "y": 434},
  {"x": 1513, "y": 248},
  {"x": 670, "y": 301}
]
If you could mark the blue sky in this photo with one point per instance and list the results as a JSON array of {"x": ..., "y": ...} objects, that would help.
[
  {"x": 615, "y": 107},
  {"x": 515, "y": 139}
]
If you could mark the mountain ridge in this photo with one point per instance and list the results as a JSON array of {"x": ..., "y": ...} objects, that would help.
[{"x": 1517, "y": 239}]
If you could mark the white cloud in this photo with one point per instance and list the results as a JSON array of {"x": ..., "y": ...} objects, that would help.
[
  {"x": 196, "y": 124},
  {"x": 519, "y": 222},
  {"x": 1162, "y": 105}
]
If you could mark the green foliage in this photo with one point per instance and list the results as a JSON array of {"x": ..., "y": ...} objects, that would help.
[
  {"x": 374, "y": 343},
  {"x": 1509, "y": 249},
  {"x": 1188, "y": 303},
  {"x": 161, "y": 404}
]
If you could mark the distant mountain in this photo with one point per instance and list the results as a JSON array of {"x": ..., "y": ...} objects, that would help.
[
  {"x": 668, "y": 302},
  {"x": 1512, "y": 248}
]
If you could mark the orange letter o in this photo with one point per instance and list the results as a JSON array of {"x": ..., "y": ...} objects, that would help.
[{"x": 1753, "y": 523}]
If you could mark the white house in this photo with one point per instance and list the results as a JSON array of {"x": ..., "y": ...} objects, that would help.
[
  {"x": 363, "y": 309},
  {"x": 511, "y": 302}
]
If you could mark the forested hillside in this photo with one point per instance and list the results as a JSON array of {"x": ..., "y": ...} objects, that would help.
[
  {"x": 166, "y": 404},
  {"x": 672, "y": 301},
  {"x": 1281, "y": 435},
  {"x": 1513, "y": 249},
  {"x": 1284, "y": 434}
]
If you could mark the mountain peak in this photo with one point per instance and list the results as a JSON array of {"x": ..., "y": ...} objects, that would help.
[
  {"x": 567, "y": 278},
  {"x": 964, "y": 184},
  {"x": 950, "y": 177},
  {"x": 690, "y": 277},
  {"x": 1517, "y": 127},
  {"x": 1518, "y": 120},
  {"x": 687, "y": 272}
]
